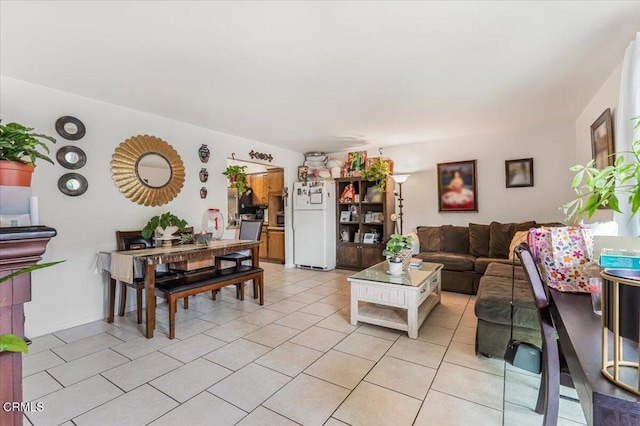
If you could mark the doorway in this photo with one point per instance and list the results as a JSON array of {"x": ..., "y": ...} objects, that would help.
[{"x": 262, "y": 200}]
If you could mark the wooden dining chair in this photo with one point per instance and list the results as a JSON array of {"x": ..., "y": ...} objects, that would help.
[
  {"x": 249, "y": 230},
  {"x": 133, "y": 240},
  {"x": 554, "y": 367}
]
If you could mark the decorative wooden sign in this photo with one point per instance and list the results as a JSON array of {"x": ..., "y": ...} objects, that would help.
[{"x": 260, "y": 156}]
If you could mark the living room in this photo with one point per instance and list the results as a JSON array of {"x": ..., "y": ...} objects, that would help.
[{"x": 425, "y": 83}]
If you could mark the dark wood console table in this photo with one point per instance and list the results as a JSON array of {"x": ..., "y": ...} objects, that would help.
[
  {"x": 580, "y": 333},
  {"x": 19, "y": 247}
]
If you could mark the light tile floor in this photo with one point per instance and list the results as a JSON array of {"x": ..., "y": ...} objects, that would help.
[{"x": 296, "y": 360}]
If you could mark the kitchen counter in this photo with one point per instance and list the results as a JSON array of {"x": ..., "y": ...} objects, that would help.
[{"x": 275, "y": 228}]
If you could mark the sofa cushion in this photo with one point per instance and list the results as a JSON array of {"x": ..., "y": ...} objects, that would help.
[
  {"x": 503, "y": 269},
  {"x": 479, "y": 240},
  {"x": 456, "y": 239},
  {"x": 482, "y": 263},
  {"x": 451, "y": 261},
  {"x": 501, "y": 234},
  {"x": 518, "y": 238},
  {"x": 493, "y": 302},
  {"x": 499, "y": 239},
  {"x": 430, "y": 238}
]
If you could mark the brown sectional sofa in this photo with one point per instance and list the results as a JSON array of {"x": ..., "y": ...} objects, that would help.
[
  {"x": 476, "y": 260},
  {"x": 466, "y": 251}
]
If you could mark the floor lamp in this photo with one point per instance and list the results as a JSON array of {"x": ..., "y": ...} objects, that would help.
[{"x": 400, "y": 179}]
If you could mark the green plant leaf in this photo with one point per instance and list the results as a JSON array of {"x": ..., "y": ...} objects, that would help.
[
  {"x": 28, "y": 269},
  {"x": 12, "y": 343}
]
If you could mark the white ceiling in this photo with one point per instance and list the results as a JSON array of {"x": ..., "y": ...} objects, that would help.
[{"x": 326, "y": 75}]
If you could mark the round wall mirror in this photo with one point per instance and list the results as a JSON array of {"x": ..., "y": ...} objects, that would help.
[
  {"x": 154, "y": 170},
  {"x": 70, "y": 128},
  {"x": 73, "y": 184},
  {"x": 71, "y": 157},
  {"x": 147, "y": 170}
]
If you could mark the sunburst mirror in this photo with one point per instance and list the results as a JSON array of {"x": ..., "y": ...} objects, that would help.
[{"x": 147, "y": 170}]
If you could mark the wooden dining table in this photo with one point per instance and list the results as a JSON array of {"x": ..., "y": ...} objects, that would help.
[{"x": 152, "y": 257}]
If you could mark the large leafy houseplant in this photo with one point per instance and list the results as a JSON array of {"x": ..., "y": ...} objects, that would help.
[
  {"x": 601, "y": 188},
  {"x": 11, "y": 342},
  {"x": 163, "y": 221},
  {"x": 20, "y": 143},
  {"x": 377, "y": 172},
  {"x": 237, "y": 178}
]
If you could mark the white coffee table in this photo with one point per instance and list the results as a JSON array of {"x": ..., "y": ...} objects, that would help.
[{"x": 399, "y": 302}]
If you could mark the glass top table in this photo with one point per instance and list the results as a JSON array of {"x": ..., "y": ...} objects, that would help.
[{"x": 414, "y": 277}]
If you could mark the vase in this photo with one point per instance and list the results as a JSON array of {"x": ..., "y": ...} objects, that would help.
[
  {"x": 405, "y": 256},
  {"x": 204, "y": 153},
  {"x": 203, "y": 192},
  {"x": 204, "y": 175},
  {"x": 375, "y": 194},
  {"x": 166, "y": 232},
  {"x": 213, "y": 222},
  {"x": 395, "y": 268}
]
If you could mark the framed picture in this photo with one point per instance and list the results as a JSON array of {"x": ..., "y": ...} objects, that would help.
[
  {"x": 457, "y": 187},
  {"x": 518, "y": 172},
  {"x": 369, "y": 238},
  {"x": 345, "y": 216},
  {"x": 356, "y": 236},
  {"x": 367, "y": 217},
  {"x": 602, "y": 140}
]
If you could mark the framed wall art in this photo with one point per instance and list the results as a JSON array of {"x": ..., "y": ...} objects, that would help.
[
  {"x": 518, "y": 173},
  {"x": 602, "y": 140},
  {"x": 457, "y": 187}
]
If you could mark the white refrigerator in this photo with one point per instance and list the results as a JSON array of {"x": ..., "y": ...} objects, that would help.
[{"x": 314, "y": 225}]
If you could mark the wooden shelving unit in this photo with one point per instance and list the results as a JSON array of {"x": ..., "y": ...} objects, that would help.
[{"x": 367, "y": 216}]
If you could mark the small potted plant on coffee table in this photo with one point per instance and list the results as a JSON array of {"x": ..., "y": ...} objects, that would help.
[{"x": 398, "y": 252}]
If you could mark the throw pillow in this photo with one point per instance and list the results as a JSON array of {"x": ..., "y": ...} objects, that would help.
[
  {"x": 479, "y": 240},
  {"x": 430, "y": 238},
  {"x": 518, "y": 238},
  {"x": 456, "y": 239}
]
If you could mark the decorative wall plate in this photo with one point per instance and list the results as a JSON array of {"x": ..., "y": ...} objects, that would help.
[
  {"x": 130, "y": 159},
  {"x": 73, "y": 184},
  {"x": 71, "y": 157},
  {"x": 70, "y": 128}
]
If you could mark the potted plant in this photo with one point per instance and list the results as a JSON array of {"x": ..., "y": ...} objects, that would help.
[
  {"x": 19, "y": 152},
  {"x": 398, "y": 252},
  {"x": 237, "y": 178},
  {"x": 11, "y": 342},
  {"x": 166, "y": 224},
  {"x": 377, "y": 173},
  {"x": 601, "y": 188}
]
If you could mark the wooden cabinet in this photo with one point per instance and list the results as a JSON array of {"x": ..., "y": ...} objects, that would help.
[
  {"x": 275, "y": 180},
  {"x": 364, "y": 213},
  {"x": 263, "y": 243},
  {"x": 259, "y": 185},
  {"x": 275, "y": 245}
]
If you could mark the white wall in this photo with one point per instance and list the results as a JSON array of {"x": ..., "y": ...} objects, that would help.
[
  {"x": 71, "y": 293},
  {"x": 552, "y": 148},
  {"x": 606, "y": 97}
]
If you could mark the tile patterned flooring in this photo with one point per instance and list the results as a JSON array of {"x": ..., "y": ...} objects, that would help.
[{"x": 296, "y": 360}]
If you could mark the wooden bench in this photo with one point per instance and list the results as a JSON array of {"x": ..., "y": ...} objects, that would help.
[{"x": 196, "y": 283}]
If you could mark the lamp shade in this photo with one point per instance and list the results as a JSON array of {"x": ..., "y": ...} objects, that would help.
[{"x": 400, "y": 178}]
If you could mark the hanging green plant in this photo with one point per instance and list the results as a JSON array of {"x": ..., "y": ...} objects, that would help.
[
  {"x": 237, "y": 178},
  {"x": 377, "y": 172}
]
